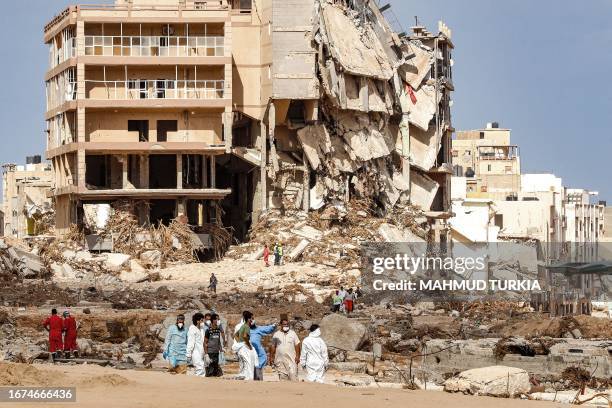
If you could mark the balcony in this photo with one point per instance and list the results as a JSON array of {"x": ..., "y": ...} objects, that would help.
[
  {"x": 155, "y": 46},
  {"x": 155, "y": 89}
]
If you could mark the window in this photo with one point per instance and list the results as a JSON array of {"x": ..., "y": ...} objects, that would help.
[
  {"x": 489, "y": 167},
  {"x": 140, "y": 126},
  {"x": 482, "y": 135},
  {"x": 499, "y": 220},
  {"x": 165, "y": 126}
]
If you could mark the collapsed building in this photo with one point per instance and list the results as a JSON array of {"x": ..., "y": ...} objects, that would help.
[
  {"x": 27, "y": 209},
  {"x": 220, "y": 112}
]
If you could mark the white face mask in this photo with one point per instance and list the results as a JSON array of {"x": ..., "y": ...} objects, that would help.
[
  {"x": 180, "y": 325},
  {"x": 208, "y": 322},
  {"x": 285, "y": 329}
]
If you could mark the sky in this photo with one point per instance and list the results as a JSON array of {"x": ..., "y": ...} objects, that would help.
[{"x": 540, "y": 68}]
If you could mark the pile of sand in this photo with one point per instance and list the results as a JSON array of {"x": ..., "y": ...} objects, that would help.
[
  {"x": 107, "y": 380},
  {"x": 27, "y": 375}
]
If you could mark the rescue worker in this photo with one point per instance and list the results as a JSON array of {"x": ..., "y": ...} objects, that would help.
[
  {"x": 280, "y": 253},
  {"x": 285, "y": 353},
  {"x": 256, "y": 334},
  {"x": 314, "y": 356},
  {"x": 266, "y": 255},
  {"x": 247, "y": 356},
  {"x": 70, "y": 327},
  {"x": 276, "y": 254},
  {"x": 175, "y": 346},
  {"x": 54, "y": 325},
  {"x": 195, "y": 345}
]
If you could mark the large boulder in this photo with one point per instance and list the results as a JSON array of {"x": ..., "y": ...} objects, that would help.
[
  {"x": 497, "y": 381},
  {"x": 342, "y": 333}
]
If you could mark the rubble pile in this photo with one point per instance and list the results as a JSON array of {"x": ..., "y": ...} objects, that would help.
[
  {"x": 332, "y": 235},
  {"x": 18, "y": 262},
  {"x": 383, "y": 110}
]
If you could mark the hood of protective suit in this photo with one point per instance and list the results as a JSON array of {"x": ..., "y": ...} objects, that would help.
[{"x": 316, "y": 333}]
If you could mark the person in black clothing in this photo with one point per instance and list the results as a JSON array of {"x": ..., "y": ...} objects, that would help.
[
  {"x": 213, "y": 345},
  {"x": 213, "y": 283}
]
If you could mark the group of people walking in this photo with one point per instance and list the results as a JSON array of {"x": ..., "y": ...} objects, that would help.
[
  {"x": 278, "y": 253},
  {"x": 287, "y": 351},
  {"x": 343, "y": 301},
  {"x": 203, "y": 346},
  {"x": 62, "y": 334}
]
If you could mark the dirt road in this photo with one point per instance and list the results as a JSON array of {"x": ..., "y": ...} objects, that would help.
[{"x": 104, "y": 387}]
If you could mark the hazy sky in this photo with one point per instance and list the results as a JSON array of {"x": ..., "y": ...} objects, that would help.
[{"x": 540, "y": 67}]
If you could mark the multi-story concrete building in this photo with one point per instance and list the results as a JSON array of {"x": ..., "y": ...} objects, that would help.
[
  {"x": 220, "y": 110},
  {"x": 489, "y": 161},
  {"x": 25, "y": 191}
]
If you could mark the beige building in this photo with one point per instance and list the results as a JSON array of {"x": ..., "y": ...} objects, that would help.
[
  {"x": 608, "y": 223},
  {"x": 489, "y": 161},
  {"x": 220, "y": 110},
  {"x": 25, "y": 191}
]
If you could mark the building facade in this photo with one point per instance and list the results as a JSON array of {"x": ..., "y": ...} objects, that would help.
[
  {"x": 222, "y": 110},
  {"x": 488, "y": 160},
  {"x": 25, "y": 193}
]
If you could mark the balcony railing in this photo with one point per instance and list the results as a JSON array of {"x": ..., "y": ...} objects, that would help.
[
  {"x": 69, "y": 50},
  {"x": 155, "y": 46},
  {"x": 155, "y": 89}
]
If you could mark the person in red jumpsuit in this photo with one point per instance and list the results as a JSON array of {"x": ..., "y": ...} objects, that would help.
[
  {"x": 70, "y": 334},
  {"x": 54, "y": 325}
]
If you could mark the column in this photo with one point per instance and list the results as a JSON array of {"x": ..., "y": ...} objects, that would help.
[
  {"x": 213, "y": 173},
  {"x": 179, "y": 171}
]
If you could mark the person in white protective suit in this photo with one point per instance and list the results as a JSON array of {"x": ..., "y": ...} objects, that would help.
[
  {"x": 195, "y": 345},
  {"x": 314, "y": 357},
  {"x": 247, "y": 356}
]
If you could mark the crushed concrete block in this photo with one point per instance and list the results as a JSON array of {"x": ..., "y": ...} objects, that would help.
[
  {"x": 151, "y": 258},
  {"x": 299, "y": 249},
  {"x": 308, "y": 232},
  {"x": 347, "y": 45},
  {"x": 134, "y": 276},
  {"x": 341, "y": 332},
  {"x": 115, "y": 261},
  {"x": 497, "y": 381},
  {"x": 135, "y": 266},
  {"x": 63, "y": 271},
  {"x": 423, "y": 190}
]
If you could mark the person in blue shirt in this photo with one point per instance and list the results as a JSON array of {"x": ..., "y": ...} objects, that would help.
[
  {"x": 175, "y": 344},
  {"x": 257, "y": 332}
]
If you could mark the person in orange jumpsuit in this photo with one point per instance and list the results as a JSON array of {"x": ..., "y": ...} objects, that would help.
[
  {"x": 54, "y": 325},
  {"x": 70, "y": 333}
]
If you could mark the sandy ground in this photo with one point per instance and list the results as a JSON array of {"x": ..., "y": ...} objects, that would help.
[{"x": 105, "y": 387}]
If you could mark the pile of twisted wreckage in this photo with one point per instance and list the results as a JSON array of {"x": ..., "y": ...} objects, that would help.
[{"x": 377, "y": 122}]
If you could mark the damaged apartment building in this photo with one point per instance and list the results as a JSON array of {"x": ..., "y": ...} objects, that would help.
[{"x": 222, "y": 110}]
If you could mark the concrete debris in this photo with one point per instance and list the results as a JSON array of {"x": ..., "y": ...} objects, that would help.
[
  {"x": 342, "y": 333},
  {"x": 496, "y": 381},
  {"x": 380, "y": 122}
]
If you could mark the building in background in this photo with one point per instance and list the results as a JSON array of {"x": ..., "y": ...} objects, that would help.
[
  {"x": 488, "y": 161},
  {"x": 608, "y": 223},
  {"x": 25, "y": 193},
  {"x": 223, "y": 110}
]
